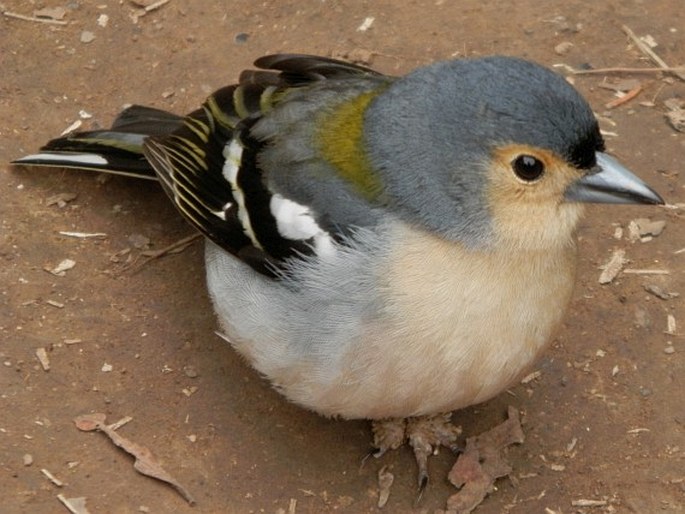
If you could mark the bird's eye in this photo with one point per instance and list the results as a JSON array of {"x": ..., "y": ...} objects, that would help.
[{"x": 528, "y": 168}]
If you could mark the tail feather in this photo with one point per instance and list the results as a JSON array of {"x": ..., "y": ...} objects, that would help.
[{"x": 117, "y": 150}]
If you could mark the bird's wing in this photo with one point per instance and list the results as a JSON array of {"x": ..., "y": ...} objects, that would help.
[{"x": 210, "y": 166}]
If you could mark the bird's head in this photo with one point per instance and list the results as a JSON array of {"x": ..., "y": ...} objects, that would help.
[{"x": 493, "y": 150}]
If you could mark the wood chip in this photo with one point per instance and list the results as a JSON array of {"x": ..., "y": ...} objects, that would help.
[
  {"x": 145, "y": 463},
  {"x": 632, "y": 271},
  {"x": 589, "y": 503},
  {"x": 74, "y": 505},
  {"x": 16, "y": 16},
  {"x": 84, "y": 235},
  {"x": 54, "y": 303},
  {"x": 366, "y": 24},
  {"x": 52, "y": 13},
  {"x": 531, "y": 376},
  {"x": 43, "y": 358},
  {"x": 613, "y": 267},
  {"x": 670, "y": 324},
  {"x": 71, "y": 127},
  {"x": 52, "y": 478}
]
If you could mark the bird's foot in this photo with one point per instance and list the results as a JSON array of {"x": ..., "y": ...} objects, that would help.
[{"x": 425, "y": 434}]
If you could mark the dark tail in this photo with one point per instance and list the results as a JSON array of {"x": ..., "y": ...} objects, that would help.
[{"x": 117, "y": 150}]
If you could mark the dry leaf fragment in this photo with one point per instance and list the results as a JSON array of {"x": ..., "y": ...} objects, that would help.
[
  {"x": 659, "y": 292},
  {"x": 611, "y": 269},
  {"x": 676, "y": 113},
  {"x": 385, "y": 480},
  {"x": 60, "y": 199},
  {"x": 145, "y": 463},
  {"x": 61, "y": 269},
  {"x": 482, "y": 463}
]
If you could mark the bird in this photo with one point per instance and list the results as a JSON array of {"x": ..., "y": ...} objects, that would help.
[{"x": 391, "y": 248}]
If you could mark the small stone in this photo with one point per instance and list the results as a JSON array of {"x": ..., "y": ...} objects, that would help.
[
  {"x": 87, "y": 36},
  {"x": 28, "y": 459},
  {"x": 563, "y": 47},
  {"x": 669, "y": 350},
  {"x": 647, "y": 227},
  {"x": 645, "y": 391},
  {"x": 642, "y": 319},
  {"x": 106, "y": 368},
  {"x": 241, "y": 38},
  {"x": 190, "y": 371},
  {"x": 139, "y": 241}
]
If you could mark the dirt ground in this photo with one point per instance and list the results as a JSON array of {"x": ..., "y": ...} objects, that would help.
[{"x": 604, "y": 417}]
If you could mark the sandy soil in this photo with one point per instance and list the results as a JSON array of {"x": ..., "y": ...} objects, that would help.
[{"x": 604, "y": 420}]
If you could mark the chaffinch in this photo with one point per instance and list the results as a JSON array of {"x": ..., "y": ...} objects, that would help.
[{"x": 380, "y": 247}]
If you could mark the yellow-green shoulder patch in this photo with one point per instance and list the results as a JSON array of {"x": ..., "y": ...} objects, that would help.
[{"x": 340, "y": 142}]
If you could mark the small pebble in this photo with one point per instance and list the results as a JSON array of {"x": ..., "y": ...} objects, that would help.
[
  {"x": 669, "y": 350},
  {"x": 645, "y": 391},
  {"x": 106, "y": 368},
  {"x": 563, "y": 48},
  {"x": 139, "y": 241},
  {"x": 241, "y": 38},
  {"x": 190, "y": 371},
  {"x": 28, "y": 459},
  {"x": 87, "y": 36}
]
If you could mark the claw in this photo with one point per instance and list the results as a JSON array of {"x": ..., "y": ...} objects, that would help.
[
  {"x": 423, "y": 483},
  {"x": 424, "y": 435}
]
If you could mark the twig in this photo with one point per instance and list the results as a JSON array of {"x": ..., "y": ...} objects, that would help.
[
  {"x": 630, "y": 271},
  {"x": 625, "y": 98},
  {"x": 176, "y": 247},
  {"x": 10, "y": 14},
  {"x": 649, "y": 52},
  {"x": 155, "y": 5},
  {"x": 598, "y": 71}
]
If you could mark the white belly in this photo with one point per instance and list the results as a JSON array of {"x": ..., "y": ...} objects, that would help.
[
  {"x": 436, "y": 345},
  {"x": 450, "y": 343}
]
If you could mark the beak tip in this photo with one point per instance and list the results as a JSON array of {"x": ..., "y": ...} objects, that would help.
[{"x": 613, "y": 183}]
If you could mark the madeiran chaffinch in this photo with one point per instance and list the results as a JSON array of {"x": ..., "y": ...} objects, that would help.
[{"x": 379, "y": 247}]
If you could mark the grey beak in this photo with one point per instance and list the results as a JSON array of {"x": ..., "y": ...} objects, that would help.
[{"x": 611, "y": 182}]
